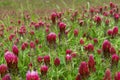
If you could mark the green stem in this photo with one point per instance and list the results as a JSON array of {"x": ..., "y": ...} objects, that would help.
[{"x": 57, "y": 74}]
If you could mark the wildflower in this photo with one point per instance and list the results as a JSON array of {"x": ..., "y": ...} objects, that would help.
[
  {"x": 110, "y": 32},
  {"x": 32, "y": 75},
  {"x": 32, "y": 45},
  {"x": 115, "y": 30},
  {"x": 51, "y": 37},
  {"x": 57, "y": 62},
  {"x": 68, "y": 51},
  {"x": 106, "y": 48},
  {"x": 99, "y": 51},
  {"x": 12, "y": 61},
  {"x": 3, "y": 69},
  {"x": 90, "y": 47},
  {"x": 46, "y": 59},
  {"x": 112, "y": 50},
  {"x": 78, "y": 77},
  {"x": 7, "y": 77},
  {"x": 44, "y": 69},
  {"x": 91, "y": 63},
  {"x": 15, "y": 50},
  {"x": 84, "y": 70},
  {"x": 115, "y": 59},
  {"x": 81, "y": 41},
  {"x": 76, "y": 32},
  {"x": 53, "y": 17},
  {"x": 62, "y": 27},
  {"x": 39, "y": 59},
  {"x": 68, "y": 58},
  {"x": 95, "y": 40},
  {"x": 117, "y": 76},
  {"x": 107, "y": 75},
  {"x": 98, "y": 20}
]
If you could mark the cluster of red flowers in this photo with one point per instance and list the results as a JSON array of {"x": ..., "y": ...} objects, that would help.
[
  {"x": 34, "y": 36},
  {"x": 86, "y": 68},
  {"x": 113, "y": 32}
]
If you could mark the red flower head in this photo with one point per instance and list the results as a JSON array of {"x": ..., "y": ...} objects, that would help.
[
  {"x": 91, "y": 63},
  {"x": 101, "y": 9},
  {"x": 98, "y": 20},
  {"x": 68, "y": 51},
  {"x": 106, "y": 14},
  {"x": 15, "y": 50},
  {"x": 95, "y": 40},
  {"x": 22, "y": 30},
  {"x": 47, "y": 59},
  {"x": 110, "y": 32},
  {"x": 23, "y": 47},
  {"x": 47, "y": 30},
  {"x": 112, "y": 5},
  {"x": 57, "y": 62},
  {"x": 116, "y": 17},
  {"x": 84, "y": 70},
  {"x": 81, "y": 41},
  {"x": 39, "y": 59},
  {"x": 111, "y": 12},
  {"x": 36, "y": 25},
  {"x": 92, "y": 10},
  {"x": 11, "y": 59},
  {"x": 115, "y": 59},
  {"x": 115, "y": 30},
  {"x": 51, "y": 38},
  {"x": 90, "y": 47},
  {"x": 74, "y": 55},
  {"x": 33, "y": 75},
  {"x": 106, "y": 48},
  {"x": 32, "y": 32},
  {"x": 107, "y": 75},
  {"x": 76, "y": 32},
  {"x": 81, "y": 22},
  {"x": 78, "y": 77},
  {"x": 62, "y": 27},
  {"x": 32, "y": 45},
  {"x": 59, "y": 15},
  {"x": 117, "y": 76},
  {"x": 26, "y": 44},
  {"x": 3, "y": 69},
  {"x": 36, "y": 41},
  {"x": 7, "y": 77},
  {"x": 112, "y": 50},
  {"x": 11, "y": 37},
  {"x": 19, "y": 22},
  {"x": 99, "y": 51},
  {"x": 41, "y": 24},
  {"x": 68, "y": 58},
  {"x": 53, "y": 17},
  {"x": 44, "y": 70}
]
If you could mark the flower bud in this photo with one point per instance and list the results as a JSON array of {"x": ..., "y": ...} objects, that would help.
[
  {"x": 47, "y": 59},
  {"x": 84, "y": 70},
  {"x": 15, "y": 50},
  {"x": 57, "y": 62},
  {"x": 44, "y": 70},
  {"x": 107, "y": 75},
  {"x": 32, "y": 75}
]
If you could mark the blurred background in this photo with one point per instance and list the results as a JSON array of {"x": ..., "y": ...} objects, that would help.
[{"x": 45, "y": 7}]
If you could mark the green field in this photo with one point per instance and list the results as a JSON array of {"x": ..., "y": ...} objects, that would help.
[{"x": 59, "y": 40}]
